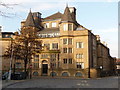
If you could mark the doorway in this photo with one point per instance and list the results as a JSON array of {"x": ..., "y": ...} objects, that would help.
[{"x": 44, "y": 68}]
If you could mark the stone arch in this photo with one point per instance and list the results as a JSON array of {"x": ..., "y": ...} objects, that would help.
[
  {"x": 44, "y": 62},
  {"x": 53, "y": 73},
  {"x": 65, "y": 74},
  {"x": 79, "y": 74},
  {"x": 35, "y": 73}
]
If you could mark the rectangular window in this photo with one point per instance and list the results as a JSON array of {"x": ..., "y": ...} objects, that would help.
[
  {"x": 79, "y": 56},
  {"x": 46, "y": 25},
  {"x": 79, "y": 45},
  {"x": 54, "y": 45},
  {"x": 69, "y": 41},
  {"x": 65, "y": 41},
  {"x": 54, "y": 24},
  {"x": 70, "y": 60},
  {"x": 36, "y": 56},
  {"x": 65, "y": 27},
  {"x": 64, "y": 50},
  {"x": 53, "y": 56},
  {"x": 36, "y": 65},
  {"x": 69, "y": 50},
  {"x": 44, "y": 56},
  {"x": 65, "y": 61},
  {"x": 80, "y": 65},
  {"x": 69, "y": 27},
  {"x": 18, "y": 65},
  {"x": 47, "y": 45}
]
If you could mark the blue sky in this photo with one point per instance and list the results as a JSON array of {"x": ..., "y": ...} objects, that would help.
[{"x": 100, "y": 16}]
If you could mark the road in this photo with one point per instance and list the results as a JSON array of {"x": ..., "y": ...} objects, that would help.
[{"x": 107, "y": 82}]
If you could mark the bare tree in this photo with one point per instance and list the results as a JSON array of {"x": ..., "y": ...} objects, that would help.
[{"x": 25, "y": 45}]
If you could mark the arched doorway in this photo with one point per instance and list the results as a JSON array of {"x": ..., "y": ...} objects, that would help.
[{"x": 44, "y": 67}]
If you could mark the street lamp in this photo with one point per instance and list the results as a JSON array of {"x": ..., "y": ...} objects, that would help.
[
  {"x": 10, "y": 71},
  {"x": 101, "y": 67}
]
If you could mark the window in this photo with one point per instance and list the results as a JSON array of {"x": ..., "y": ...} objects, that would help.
[
  {"x": 36, "y": 59},
  {"x": 70, "y": 60},
  {"x": 65, "y": 27},
  {"x": 54, "y": 45},
  {"x": 35, "y": 73},
  {"x": 69, "y": 27},
  {"x": 65, "y": 61},
  {"x": 36, "y": 56},
  {"x": 79, "y": 56},
  {"x": 54, "y": 24},
  {"x": 64, "y": 50},
  {"x": 69, "y": 41},
  {"x": 65, "y": 41},
  {"x": 79, "y": 45},
  {"x": 80, "y": 65},
  {"x": 69, "y": 50},
  {"x": 47, "y": 45},
  {"x": 18, "y": 65},
  {"x": 65, "y": 74},
  {"x": 46, "y": 25},
  {"x": 36, "y": 65},
  {"x": 53, "y": 74},
  {"x": 53, "y": 56},
  {"x": 44, "y": 56},
  {"x": 78, "y": 74}
]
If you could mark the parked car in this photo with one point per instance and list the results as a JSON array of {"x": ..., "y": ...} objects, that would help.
[
  {"x": 5, "y": 75},
  {"x": 15, "y": 76}
]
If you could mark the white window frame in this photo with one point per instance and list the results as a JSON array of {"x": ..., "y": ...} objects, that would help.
[
  {"x": 79, "y": 44},
  {"x": 54, "y": 24},
  {"x": 65, "y": 27}
]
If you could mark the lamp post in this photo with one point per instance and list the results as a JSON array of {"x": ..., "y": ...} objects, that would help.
[
  {"x": 101, "y": 67},
  {"x": 10, "y": 71},
  {"x": 30, "y": 71}
]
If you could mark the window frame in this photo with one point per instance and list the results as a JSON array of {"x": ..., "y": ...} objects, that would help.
[{"x": 79, "y": 44}]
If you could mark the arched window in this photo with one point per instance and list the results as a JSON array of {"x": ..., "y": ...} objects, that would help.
[
  {"x": 35, "y": 73},
  {"x": 78, "y": 74},
  {"x": 65, "y": 74},
  {"x": 53, "y": 74}
]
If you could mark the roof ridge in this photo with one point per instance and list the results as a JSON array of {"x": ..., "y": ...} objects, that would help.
[{"x": 54, "y": 16}]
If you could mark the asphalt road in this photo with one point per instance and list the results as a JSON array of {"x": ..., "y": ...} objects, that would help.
[{"x": 107, "y": 82}]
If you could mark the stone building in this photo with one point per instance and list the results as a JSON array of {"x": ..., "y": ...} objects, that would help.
[
  {"x": 69, "y": 49},
  {"x": 5, "y": 41}
]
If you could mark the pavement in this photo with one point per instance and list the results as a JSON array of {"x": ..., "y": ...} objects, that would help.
[{"x": 56, "y": 82}]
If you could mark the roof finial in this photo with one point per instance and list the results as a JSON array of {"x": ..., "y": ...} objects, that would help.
[
  {"x": 66, "y": 4},
  {"x": 30, "y": 9}
]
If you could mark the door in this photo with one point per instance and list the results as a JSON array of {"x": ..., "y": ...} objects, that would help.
[{"x": 44, "y": 69}]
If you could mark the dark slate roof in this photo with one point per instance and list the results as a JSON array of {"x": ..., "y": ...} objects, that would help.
[
  {"x": 67, "y": 16},
  {"x": 29, "y": 21},
  {"x": 49, "y": 30},
  {"x": 54, "y": 16},
  {"x": 7, "y": 34}
]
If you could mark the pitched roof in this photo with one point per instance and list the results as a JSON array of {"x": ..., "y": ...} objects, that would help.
[
  {"x": 67, "y": 16},
  {"x": 49, "y": 30},
  {"x": 29, "y": 21},
  {"x": 54, "y": 16}
]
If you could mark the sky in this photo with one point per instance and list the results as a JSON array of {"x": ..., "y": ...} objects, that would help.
[{"x": 100, "y": 16}]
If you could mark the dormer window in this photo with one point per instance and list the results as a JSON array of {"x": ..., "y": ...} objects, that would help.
[
  {"x": 69, "y": 27},
  {"x": 54, "y": 24},
  {"x": 65, "y": 27},
  {"x": 46, "y": 25}
]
